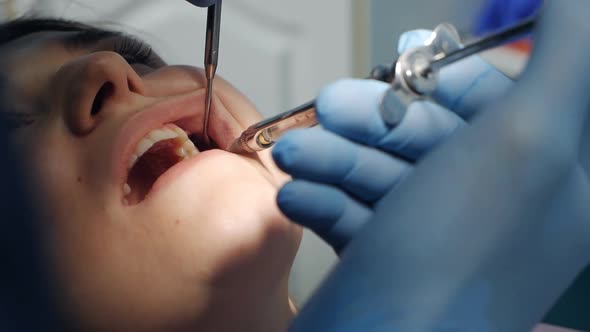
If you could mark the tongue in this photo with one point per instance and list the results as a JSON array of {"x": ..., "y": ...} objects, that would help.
[{"x": 148, "y": 168}]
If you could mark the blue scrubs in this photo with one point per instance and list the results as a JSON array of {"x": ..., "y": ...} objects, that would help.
[
  {"x": 570, "y": 310},
  {"x": 498, "y": 14}
]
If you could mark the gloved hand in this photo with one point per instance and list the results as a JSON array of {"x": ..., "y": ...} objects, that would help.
[
  {"x": 338, "y": 181},
  {"x": 202, "y": 3},
  {"x": 490, "y": 228}
]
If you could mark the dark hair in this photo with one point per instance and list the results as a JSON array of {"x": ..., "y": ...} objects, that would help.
[{"x": 15, "y": 29}]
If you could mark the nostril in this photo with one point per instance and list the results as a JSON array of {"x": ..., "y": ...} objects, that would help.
[{"x": 105, "y": 91}]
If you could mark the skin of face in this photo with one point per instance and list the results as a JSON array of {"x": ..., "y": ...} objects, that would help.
[{"x": 207, "y": 250}]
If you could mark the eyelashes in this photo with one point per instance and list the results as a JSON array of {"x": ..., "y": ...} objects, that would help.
[
  {"x": 11, "y": 120},
  {"x": 12, "y": 115},
  {"x": 135, "y": 51}
]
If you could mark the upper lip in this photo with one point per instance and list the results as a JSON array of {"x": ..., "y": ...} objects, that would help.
[{"x": 185, "y": 111}]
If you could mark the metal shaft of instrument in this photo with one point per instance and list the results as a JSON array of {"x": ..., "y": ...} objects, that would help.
[
  {"x": 263, "y": 134},
  {"x": 211, "y": 59},
  {"x": 488, "y": 42},
  {"x": 298, "y": 117}
]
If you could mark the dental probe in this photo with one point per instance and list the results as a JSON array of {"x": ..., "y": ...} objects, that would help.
[{"x": 211, "y": 57}]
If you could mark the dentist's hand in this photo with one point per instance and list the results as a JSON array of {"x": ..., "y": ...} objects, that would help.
[
  {"x": 342, "y": 169},
  {"x": 491, "y": 228},
  {"x": 202, "y": 3}
]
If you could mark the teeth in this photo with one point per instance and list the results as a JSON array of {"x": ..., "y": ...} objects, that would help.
[
  {"x": 169, "y": 131},
  {"x": 126, "y": 189},
  {"x": 188, "y": 148},
  {"x": 163, "y": 134},
  {"x": 177, "y": 130},
  {"x": 181, "y": 152},
  {"x": 132, "y": 160},
  {"x": 144, "y": 145},
  {"x": 185, "y": 150}
]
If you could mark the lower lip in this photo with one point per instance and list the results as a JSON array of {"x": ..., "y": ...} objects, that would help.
[{"x": 178, "y": 170}]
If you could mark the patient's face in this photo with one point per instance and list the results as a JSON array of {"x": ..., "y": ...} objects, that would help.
[{"x": 144, "y": 228}]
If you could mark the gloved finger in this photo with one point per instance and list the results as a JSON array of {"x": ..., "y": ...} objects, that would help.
[
  {"x": 202, "y": 3},
  {"x": 465, "y": 86},
  {"x": 327, "y": 211},
  {"x": 557, "y": 74},
  {"x": 351, "y": 108},
  {"x": 423, "y": 126},
  {"x": 321, "y": 156}
]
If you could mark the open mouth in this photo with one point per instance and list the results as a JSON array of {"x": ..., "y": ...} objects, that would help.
[{"x": 156, "y": 153}]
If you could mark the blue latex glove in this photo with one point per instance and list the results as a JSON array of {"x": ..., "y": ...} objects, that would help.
[
  {"x": 490, "y": 228},
  {"x": 323, "y": 161},
  {"x": 202, "y": 3}
]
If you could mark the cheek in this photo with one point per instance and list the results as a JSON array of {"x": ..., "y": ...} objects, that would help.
[{"x": 55, "y": 177}]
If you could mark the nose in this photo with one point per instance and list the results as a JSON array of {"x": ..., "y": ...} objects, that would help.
[{"x": 94, "y": 87}]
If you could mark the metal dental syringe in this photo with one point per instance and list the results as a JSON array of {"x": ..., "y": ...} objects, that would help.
[
  {"x": 264, "y": 134},
  {"x": 413, "y": 76}
]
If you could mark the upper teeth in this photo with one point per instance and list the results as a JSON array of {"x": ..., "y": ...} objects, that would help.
[{"x": 185, "y": 150}]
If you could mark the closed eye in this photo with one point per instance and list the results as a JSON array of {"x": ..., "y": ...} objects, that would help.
[
  {"x": 133, "y": 50},
  {"x": 136, "y": 52}
]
